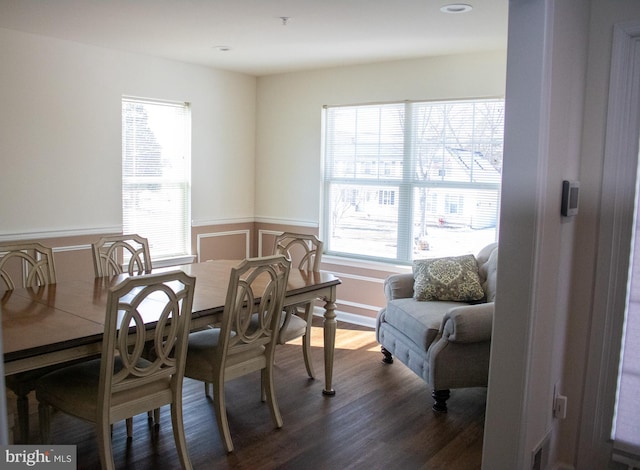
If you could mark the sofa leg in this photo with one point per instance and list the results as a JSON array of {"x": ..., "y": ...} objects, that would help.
[
  {"x": 440, "y": 397},
  {"x": 388, "y": 358}
]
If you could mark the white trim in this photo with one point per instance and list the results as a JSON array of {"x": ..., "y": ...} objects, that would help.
[
  {"x": 510, "y": 430},
  {"x": 262, "y": 220},
  {"x": 246, "y": 233},
  {"x": 348, "y": 317},
  {"x": 616, "y": 210},
  {"x": 62, "y": 249},
  {"x": 366, "y": 264},
  {"x": 276, "y": 221},
  {"x": 59, "y": 233},
  {"x": 214, "y": 222},
  {"x": 373, "y": 308},
  {"x": 357, "y": 277},
  {"x": 266, "y": 232}
]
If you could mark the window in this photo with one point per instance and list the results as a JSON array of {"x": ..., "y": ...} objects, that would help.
[
  {"x": 432, "y": 185},
  {"x": 386, "y": 198},
  {"x": 156, "y": 183},
  {"x": 625, "y": 431}
]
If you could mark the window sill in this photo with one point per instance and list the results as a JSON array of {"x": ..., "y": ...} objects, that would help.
[{"x": 365, "y": 264}]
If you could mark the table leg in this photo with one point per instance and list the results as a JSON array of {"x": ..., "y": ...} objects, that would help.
[{"x": 330, "y": 326}]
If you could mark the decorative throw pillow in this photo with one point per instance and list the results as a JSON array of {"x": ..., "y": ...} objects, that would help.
[{"x": 453, "y": 278}]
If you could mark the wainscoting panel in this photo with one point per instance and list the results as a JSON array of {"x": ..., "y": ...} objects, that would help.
[{"x": 235, "y": 244}]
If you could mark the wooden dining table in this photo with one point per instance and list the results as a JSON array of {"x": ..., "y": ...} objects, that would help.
[{"x": 64, "y": 321}]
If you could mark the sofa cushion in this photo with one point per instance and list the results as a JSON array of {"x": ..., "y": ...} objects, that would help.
[
  {"x": 452, "y": 278},
  {"x": 420, "y": 321}
]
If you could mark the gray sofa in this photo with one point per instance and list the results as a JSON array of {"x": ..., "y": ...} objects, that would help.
[{"x": 446, "y": 343}]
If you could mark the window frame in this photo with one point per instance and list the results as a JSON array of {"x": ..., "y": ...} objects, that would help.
[
  {"x": 387, "y": 181},
  {"x": 181, "y": 185}
]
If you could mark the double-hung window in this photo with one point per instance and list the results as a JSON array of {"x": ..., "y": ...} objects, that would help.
[
  {"x": 156, "y": 175},
  {"x": 412, "y": 179}
]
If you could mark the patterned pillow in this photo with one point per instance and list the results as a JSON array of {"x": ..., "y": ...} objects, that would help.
[{"x": 453, "y": 278}]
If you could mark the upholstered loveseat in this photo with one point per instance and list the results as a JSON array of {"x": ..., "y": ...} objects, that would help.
[{"x": 445, "y": 342}]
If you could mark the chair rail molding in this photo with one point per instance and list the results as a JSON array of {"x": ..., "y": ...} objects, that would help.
[
  {"x": 214, "y": 222},
  {"x": 7, "y": 237},
  {"x": 295, "y": 222}
]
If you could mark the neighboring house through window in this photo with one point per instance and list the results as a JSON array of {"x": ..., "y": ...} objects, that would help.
[
  {"x": 156, "y": 174},
  {"x": 432, "y": 184}
]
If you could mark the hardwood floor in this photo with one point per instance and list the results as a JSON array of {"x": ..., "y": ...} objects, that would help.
[{"x": 379, "y": 418}]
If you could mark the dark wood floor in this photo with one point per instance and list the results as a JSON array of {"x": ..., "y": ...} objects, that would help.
[{"x": 379, "y": 418}]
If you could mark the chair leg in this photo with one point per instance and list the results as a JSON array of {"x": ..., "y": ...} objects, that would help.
[
  {"x": 207, "y": 389},
  {"x": 440, "y": 397},
  {"x": 22, "y": 403},
  {"x": 306, "y": 340},
  {"x": 103, "y": 436},
  {"x": 44, "y": 413},
  {"x": 156, "y": 417},
  {"x": 129, "y": 423},
  {"x": 177, "y": 422},
  {"x": 388, "y": 358},
  {"x": 271, "y": 396},
  {"x": 221, "y": 415},
  {"x": 306, "y": 350}
]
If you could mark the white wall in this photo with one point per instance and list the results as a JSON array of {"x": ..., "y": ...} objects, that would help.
[
  {"x": 60, "y": 133},
  {"x": 288, "y": 151},
  {"x": 556, "y": 122}
]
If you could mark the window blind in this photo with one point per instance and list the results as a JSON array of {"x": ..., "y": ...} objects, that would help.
[
  {"x": 412, "y": 179},
  {"x": 156, "y": 174}
]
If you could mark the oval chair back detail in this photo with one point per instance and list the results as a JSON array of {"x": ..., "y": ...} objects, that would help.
[
  {"x": 32, "y": 263},
  {"x": 112, "y": 254},
  {"x": 305, "y": 251},
  {"x": 25, "y": 265},
  {"x": 245, "y": 340},
  {"x": 156, "y": 306},
  {"x": 117, "y": 254}
]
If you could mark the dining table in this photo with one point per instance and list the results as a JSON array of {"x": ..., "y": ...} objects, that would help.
[{"x": 64, "y": 321}]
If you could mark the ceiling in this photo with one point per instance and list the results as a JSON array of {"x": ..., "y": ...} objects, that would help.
[{"x": 316, "y": 33}]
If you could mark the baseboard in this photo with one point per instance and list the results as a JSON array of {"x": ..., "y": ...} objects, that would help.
[{"x": 349, "y": 318}]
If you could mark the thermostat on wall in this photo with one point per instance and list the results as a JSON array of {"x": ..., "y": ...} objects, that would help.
[{"x": 570, "y": 190}]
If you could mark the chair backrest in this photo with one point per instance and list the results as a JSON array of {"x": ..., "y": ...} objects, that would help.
[
  {"x": 487, "y": 260},
  {"x": 32, "y": 263},
  {"x": 156, "y": 308},
  {"x": 252, "y": 311},
  {"x": 111, "y": 252},
  {"x": 305, "y": 251}
]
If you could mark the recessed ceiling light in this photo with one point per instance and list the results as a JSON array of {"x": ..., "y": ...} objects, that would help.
[
  {"x": 456, "y": 8},
  {"x": 223, "y": 48}
]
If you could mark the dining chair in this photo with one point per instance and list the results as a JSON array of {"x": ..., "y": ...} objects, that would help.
[
  {"x": 122, "y": 383},
  {"x": 305, "y": 251},
  {"x": 116, "y": 254},
  {"x": 113, "y": 253},
  {"x": 239, "y": 346},
  {"x": 31, "y": 262},
  {"x": 25, "y": 265}
]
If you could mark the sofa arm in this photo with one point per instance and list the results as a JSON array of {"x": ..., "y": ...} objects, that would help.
[
  {"x": 398, "y": 286},
  {"x": 468, "y": 324}
]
